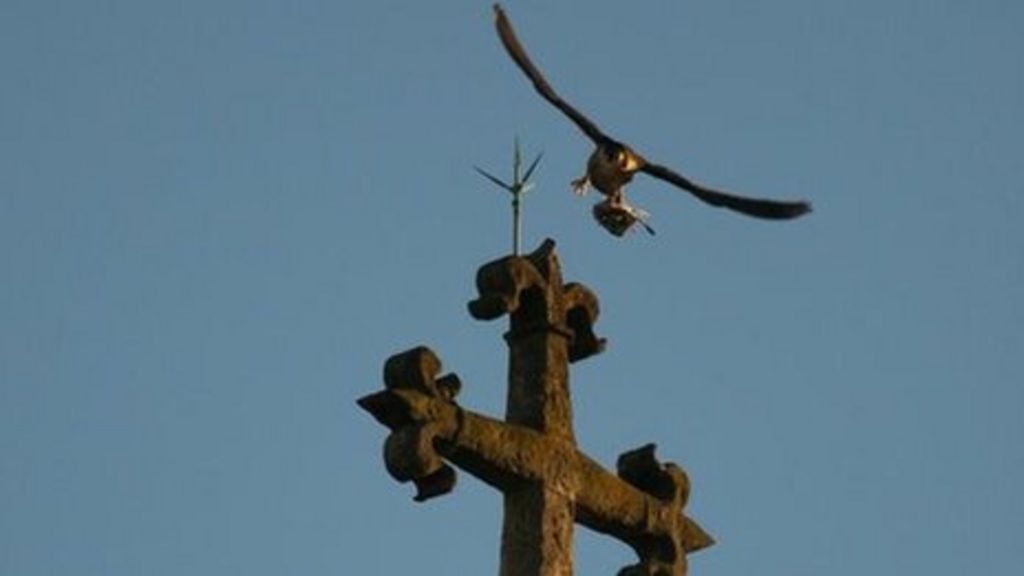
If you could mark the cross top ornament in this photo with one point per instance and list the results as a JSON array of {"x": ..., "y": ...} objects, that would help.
[{"x": 531, "y": 456}]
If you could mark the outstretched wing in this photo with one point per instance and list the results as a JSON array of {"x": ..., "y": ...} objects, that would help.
[
  {"x": 759, "y": 208},
  {"x": 518, "y": 54}
]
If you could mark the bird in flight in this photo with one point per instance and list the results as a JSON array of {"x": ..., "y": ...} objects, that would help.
[{"x": 612, "y": 164}]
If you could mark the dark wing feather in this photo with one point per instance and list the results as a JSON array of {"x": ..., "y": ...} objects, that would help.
[
  {"x": 518, "y": 54},
  {"x": 770, "y": 209}
]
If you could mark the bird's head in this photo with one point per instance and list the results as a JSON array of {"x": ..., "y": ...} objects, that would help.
[{"x": 627, "y": 160}]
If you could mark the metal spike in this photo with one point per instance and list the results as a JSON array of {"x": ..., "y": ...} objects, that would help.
[
  {"x": 517, "y": 160},
  {"x": 520, "y": 184},
  {"x": 529, "y": 171},
  {"x": 493, "y": 178}
]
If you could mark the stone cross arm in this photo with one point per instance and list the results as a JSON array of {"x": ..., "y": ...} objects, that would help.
[{"x": 642, "y": 505}]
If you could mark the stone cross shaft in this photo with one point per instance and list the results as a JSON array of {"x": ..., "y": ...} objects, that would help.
[{"x": 531, "y": 456}]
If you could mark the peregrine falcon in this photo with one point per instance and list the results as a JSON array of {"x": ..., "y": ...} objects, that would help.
[{"x": 612, "y": 164}]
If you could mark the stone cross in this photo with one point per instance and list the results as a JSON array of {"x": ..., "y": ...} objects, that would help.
[{"x": 531, "y": 456}]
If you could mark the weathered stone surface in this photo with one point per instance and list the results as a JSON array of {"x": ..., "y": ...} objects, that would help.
[
  {"x": 537, "y": 533},
  {"x": 529, "y": 289},
  {"x": 531, "y": 457}
]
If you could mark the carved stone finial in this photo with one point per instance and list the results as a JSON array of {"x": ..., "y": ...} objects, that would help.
[
  {"x": 409, "y": 406},
  {"x": 665, "y": 482},
  {"x": 529, "y": 289},
  {"x": 515, "y": 283},
  {"x": 581, "y": 313},
  {"x": 663, "y": 555}
]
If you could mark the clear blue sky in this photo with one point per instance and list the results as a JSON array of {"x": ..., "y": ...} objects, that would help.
[{"x": 218, "y": 219}]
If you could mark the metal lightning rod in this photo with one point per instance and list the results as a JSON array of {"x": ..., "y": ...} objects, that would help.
[{"x": 519, "y": 186}]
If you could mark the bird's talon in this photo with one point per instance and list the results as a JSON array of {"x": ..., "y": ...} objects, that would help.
[{"x": 581, "y": 186}]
